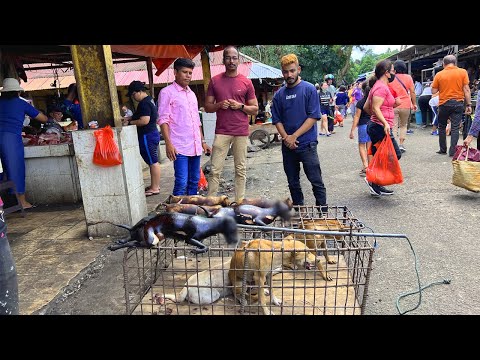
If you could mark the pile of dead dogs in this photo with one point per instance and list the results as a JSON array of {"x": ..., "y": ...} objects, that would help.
[{"x": 194, "y": 218}]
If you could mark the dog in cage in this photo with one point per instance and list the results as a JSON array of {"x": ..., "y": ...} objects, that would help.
[
  {"x": 262, "y": 265},
  {"x": 243, "y": 214},
  {"x": 317, "y": 242},
  {"x": 205, "y": 287},
  {"x": 192, "y": 229}
]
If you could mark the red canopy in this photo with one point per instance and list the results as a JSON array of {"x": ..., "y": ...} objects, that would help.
[{"x": 153, "y": 51}]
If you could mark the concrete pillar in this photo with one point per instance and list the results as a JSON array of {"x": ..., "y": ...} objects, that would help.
[
  {"x": 116, "y": 193},
  {"x": 97, "y": 91}
]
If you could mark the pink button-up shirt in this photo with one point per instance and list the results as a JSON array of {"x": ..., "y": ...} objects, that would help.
[{"x": 178, "y": 107}]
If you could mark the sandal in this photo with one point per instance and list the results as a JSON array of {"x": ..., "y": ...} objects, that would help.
[{"x": 151, "y": 192}]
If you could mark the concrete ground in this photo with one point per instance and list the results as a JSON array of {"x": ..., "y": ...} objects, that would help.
[{"x": 62, "y": 272}]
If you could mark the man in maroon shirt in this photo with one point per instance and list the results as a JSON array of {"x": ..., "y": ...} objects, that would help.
[{"x": 232, "y": 96}]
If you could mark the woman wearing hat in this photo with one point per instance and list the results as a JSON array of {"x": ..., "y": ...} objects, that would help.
[{"x": 12, "y": 113}]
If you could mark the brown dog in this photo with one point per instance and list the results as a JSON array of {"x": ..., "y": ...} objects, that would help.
[
  {"x": 191, "y": 209},
  {"x": 264, "y": 263},
  {"x": 199, "y": 200},
  {"x": 319, "y": 241}
]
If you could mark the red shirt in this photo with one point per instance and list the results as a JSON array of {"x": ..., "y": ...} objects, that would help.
[{"x": 239, "y": 88}]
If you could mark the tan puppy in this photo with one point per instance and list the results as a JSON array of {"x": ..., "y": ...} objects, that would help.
[
  {"x": 265, "y": 263},
  {"x": 319, "y": 241}
]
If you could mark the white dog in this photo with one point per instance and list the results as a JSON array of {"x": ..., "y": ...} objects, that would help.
[{"x": 214, "y": 284}]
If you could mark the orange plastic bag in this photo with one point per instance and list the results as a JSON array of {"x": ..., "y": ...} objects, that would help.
[
  {"x": 202, "y": 183},
  {"x": 106, "y": 151},
  {"x": 338, "y": 117},
  {"x": 384, "y": 169}
]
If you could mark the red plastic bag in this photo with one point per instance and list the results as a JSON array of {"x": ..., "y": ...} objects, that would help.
[
  {"x": 106, "y": 151},
  {"x": 202, "y": 183},
  {"x": 384, "y": 169},
  {"x": 338, "y": 117}
]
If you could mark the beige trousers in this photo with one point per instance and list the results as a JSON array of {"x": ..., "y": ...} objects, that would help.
[
  {"x": 221, "y": 145},
  {"x": 402, "y": 116}
]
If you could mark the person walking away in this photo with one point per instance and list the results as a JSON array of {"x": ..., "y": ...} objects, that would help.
[
  {"x": 179, "y": 121},
  {"x": 382, "y": 118},
  {"x": 232, "y": 96},
  {"x": 296, "y": 110},
  {"x": 341, "y": 101},
  {"x": 360, "y": 121},
  {"x": 12, "y": 154},
  {"x": 454, "y": 94},
  {"x": 405, "y": 89},
  {"x": 145, "y": 119}
]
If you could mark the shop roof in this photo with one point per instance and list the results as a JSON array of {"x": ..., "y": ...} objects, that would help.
[{"x": 125, "y": 73}]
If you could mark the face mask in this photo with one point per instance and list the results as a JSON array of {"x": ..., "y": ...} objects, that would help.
[{"x": 392, "y": 77}]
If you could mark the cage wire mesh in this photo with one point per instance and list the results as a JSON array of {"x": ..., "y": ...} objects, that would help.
[{"x": 170, "y": 280}]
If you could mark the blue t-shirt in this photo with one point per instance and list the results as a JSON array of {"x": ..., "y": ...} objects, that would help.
[
  {"x": 12, "y": 114},
  {"x": 74, "y": 110},
  {"x": 292, "y": 106},
  {"x": 146, "y": 107},
  {"x": 342, "y": 98}
]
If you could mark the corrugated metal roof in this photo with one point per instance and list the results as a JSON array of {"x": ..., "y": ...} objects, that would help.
[
  {"x": 125, "y": 73},
  {"x": 264, "y": 71}
]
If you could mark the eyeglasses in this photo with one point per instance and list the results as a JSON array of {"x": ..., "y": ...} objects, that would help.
[{"x": 232, "y": 58}]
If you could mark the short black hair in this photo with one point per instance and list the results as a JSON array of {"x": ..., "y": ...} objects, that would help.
[
  {"x": 400, "y": 67},
  {"x": 183, "y": 62}
]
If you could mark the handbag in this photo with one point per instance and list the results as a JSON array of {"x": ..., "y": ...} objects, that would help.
[
  {"x": 466, "y": 174},
  {"x": 472, "y": 153}
]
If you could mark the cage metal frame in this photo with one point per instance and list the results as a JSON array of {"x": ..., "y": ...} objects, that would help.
[{"x": 151, "y": 265}]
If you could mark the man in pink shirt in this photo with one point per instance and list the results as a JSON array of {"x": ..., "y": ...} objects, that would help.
[
  {"x": 180, "y": 124},
  {"x": 232, "y": 96}
]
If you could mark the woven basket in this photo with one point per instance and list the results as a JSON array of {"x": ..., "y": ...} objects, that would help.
[{"x": 466, "y": 174}]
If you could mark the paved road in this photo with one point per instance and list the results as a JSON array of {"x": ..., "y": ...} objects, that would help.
[{"x": 439, "y": 219}]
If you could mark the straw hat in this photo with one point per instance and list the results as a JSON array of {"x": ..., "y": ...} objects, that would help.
[{"x": 11, "y": 84}]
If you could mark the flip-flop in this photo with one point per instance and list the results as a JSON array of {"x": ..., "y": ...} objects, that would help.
[
  {"x": 151, "y": 193},
  {"x": 30, "y": 207}
]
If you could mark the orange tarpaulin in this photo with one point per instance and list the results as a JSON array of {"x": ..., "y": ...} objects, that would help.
[
  {"x": 153, "y": 51},
  {"x": 162, "y": 64}
]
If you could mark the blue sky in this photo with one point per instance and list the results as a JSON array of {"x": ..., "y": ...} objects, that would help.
[{"x": 377, "y": 49}]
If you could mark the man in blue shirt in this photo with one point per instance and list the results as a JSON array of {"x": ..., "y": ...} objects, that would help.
[{"x": 295, "y": 112}]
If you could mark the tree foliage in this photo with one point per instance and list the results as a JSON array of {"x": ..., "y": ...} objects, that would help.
[{"x": 319, "y": 60}]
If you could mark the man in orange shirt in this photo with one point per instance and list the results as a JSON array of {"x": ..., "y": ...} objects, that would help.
[{"x": 454, "y": 92}]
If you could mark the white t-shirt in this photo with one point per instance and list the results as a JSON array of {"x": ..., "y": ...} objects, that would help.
[{"x": 433, "y": 101}]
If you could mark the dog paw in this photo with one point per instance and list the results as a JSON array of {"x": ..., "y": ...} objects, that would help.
[
  {"x": 327, "y": 277},
  {"x": 266, "y": 292},
  {"x": 268, "y": 312},
  {"x": 276, "y": 301},
  {"x": 332, "y": 261}
]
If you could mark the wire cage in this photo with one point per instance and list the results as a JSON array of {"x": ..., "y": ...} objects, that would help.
[{"x": 282, "y": 269}]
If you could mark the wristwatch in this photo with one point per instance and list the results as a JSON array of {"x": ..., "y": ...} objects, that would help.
[{"x": 243, "y": 105}]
